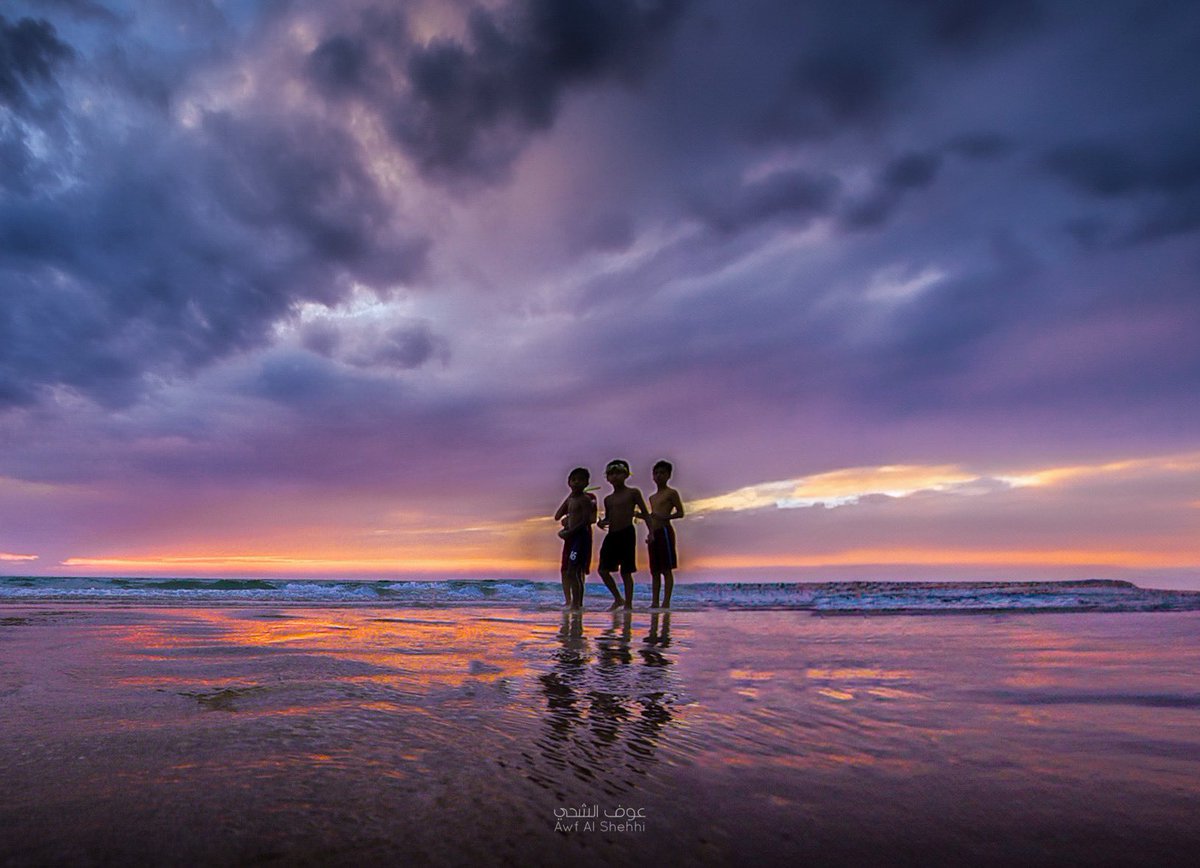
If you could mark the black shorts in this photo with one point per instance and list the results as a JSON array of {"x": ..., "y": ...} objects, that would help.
[{"x": 618, "y": 551}]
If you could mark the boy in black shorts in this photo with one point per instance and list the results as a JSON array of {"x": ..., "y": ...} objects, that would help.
[
  {"x": 617, "y": 552},
  {"x": 665, "y": 505}
]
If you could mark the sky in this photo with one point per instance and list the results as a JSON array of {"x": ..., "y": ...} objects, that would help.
[{"x": 905, "y": 289}]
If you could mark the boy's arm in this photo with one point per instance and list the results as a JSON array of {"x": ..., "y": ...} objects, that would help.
[
  {"x": 676, "y": 506},
  {"x": 640, "y": 510},
  {"x": 562, "y": 510}
]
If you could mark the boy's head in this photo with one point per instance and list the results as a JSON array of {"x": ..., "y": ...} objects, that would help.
[
  {"x": 617, "y": 470},
  {"x": 662, "y": 472},
  {"x": 578, "y": 479}
]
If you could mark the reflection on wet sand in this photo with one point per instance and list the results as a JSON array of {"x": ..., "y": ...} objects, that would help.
[
  {"x": 604, "y": 714},
  {"x": 371, "y": 736},
  {"x": 231, "y": 653}
]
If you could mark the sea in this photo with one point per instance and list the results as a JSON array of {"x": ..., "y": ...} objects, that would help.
[{"x": 889, "y": 597}]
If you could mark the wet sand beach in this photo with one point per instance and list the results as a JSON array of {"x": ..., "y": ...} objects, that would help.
[{"x": 231, "y": 735}]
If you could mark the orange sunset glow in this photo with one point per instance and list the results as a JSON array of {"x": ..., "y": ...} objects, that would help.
[{"x": 923, "y": 511}]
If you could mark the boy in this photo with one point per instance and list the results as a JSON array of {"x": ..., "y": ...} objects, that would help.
[
  {"x": 664, "y": 506},
  {"x": 578, "y": 513},
  {"x": 617, "y": 550}
]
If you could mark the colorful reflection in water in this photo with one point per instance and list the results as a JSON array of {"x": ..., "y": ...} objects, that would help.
[
  {"x": 369, "y": 734},
  {"x": 607, "y": 704}
]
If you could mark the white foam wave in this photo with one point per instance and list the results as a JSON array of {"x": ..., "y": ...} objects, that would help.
[{"x": 831, "y": 598}]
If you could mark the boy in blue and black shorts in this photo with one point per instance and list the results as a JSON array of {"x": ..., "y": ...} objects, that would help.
[{"x": 578, "y": 513}]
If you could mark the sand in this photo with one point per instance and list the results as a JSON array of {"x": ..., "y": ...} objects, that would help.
[{"x": 372, "y": 735}]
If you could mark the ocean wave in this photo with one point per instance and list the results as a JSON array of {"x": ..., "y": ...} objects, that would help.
[{"x": 826, "y": 598}]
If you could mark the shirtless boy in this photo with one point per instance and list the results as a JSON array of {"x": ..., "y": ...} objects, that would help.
[
  {"x": 617, "y": 552},
  {"x": 578, "y": 513},
  {"x": 665, "y": 505}
]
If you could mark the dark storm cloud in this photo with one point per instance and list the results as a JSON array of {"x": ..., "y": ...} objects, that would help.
[
  {"x": 856, "y": 69},
  {"x": 307, "y": 180},
  {"x": 308, "y": 380},
  {"x": 273, "y": 210},
  {"x": 341, "y": 66},
  {"x": 468, "y": 107},
  {"x": 167, "y": 268},
  {"x": 933, "y": 123},
  {"x": 1121, "y": 130},
  {"x": 29, "y": 53},
  {"x": 828, "y": 92},
  {"x": 30, "y": 56},
  {"x": 364, "y": 61},
  {"x": 1162, "y": 178},
  {"x": 945, "y": 164},
  {"x": 1103, "y": 170},
  {"x": 170, "y": 247}
]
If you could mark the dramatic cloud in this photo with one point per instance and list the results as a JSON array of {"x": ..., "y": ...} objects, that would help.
[
  {"x": 139, "y": 246},
  {"x": 467, "y": 106},
  {"x": 31, "y": 57},
  {"x": 1163, "y": 180},
  {"x": 856, "y": 70},
  {"x": 30, "y": 52}
]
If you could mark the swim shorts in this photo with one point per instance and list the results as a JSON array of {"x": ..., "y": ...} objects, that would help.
[
  {"x": 617, "y": 551},
  {"x": 577, "y": 551},
  {"x": 661, "y": 545}
]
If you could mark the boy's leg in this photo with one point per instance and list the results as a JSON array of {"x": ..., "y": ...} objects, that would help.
[
  {"x": 627, "y": 577},
  {"x": 668, "y": 586},
  {"x": 655, "y": 585},
  {"x": 606, "y": 577},
  {"x": 567, "y": 583},
  {"x": 577, "y": 589}
]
